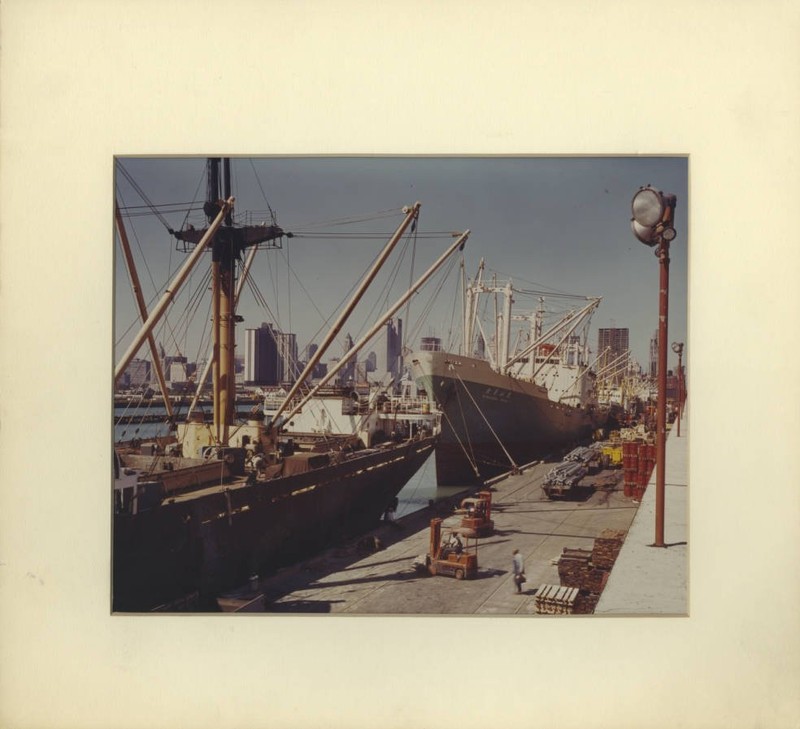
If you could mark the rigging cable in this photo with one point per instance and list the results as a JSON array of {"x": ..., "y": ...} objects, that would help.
[
  {"x": 272, "y": 215},
  {"x": 488, "y": 424},
  {"x": 379, "y": 215},
  {"x": 144, "y": 197},
  {"x": 437, "y": 289},
  {"x": 468, "y": 454}
]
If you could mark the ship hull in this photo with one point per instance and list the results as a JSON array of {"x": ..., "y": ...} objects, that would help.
[
  {"x": 492, "y": 422},
  {"x": 212, "y": 540}
]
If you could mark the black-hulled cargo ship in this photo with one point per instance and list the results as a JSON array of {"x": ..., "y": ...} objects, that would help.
[
  {"x": 210, "y": 537},
  {"x": 232, "y": 499},
  {"x": 508, "y": 408},
  {"x": 490, "y": 422}
]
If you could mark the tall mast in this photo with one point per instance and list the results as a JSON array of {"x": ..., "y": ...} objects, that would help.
[
  {"x": 227, "y": 246},
  {"x": 140, "y": 303},
  {"x": 505, "y": 335}
]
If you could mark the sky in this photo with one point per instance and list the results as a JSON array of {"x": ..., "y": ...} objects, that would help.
[{"x": 549, "y": 223}]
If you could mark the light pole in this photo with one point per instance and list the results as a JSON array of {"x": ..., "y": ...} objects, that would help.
[
  {"x": 653, "y": 224},
  {"x": 677, "y": 347}
]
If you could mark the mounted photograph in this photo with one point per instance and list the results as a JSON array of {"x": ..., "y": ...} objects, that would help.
[{"x": 400, "y": 385}]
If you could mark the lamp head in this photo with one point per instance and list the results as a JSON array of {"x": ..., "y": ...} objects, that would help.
[{"x": 653, "y": 216}]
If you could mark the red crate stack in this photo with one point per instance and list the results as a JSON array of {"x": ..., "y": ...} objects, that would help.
[{"x": 630, "y": 466}]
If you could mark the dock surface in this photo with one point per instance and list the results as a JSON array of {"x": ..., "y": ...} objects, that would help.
[
  {"x": 354, "y": 579},
  {"x": 649, "y": 580},
  {"x": 341, "y": 580}
]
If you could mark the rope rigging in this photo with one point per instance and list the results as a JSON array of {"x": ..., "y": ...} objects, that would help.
[
  {"x": 488, "y": 424},
  {"x": 153, "y": 208}
]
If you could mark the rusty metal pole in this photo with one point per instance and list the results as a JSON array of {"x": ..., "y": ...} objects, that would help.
[
  {"x": 661, "y": 411},
  {"x": 680, "y": 391}
]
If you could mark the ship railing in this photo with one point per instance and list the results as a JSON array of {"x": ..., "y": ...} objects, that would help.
[{"x": 419, "y": 405}]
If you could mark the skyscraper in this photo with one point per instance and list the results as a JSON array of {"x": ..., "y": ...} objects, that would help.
[
  {"x": 614, "y": 340},
  {"x": 653, "y": 371},
  {"x": 288, "y": 370},
  {"x": 261, "y": 356},
  {"x": 388, "y": 349},
  {"x": 138, "y": 372}
]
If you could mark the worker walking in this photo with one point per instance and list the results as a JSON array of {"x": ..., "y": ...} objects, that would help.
[{"x": 519, "y": 570}]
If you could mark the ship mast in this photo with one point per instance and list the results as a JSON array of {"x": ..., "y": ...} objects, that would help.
[{"x": 227, "y": 246}]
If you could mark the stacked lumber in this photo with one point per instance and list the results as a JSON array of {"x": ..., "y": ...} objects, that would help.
[
  {"x": 607, "y": 547},
  {"x": 573, "y": 566},
  {"x": 587, "y": 571},
  {"x": 585, "y": 603},
  {"x": 595, "y": 580},
  {"x": 556, "y": 599}
]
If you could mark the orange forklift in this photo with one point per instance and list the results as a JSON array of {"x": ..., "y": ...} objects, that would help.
[
  {"x": 449, "y": 557},
  {"x": 477, "y": 515}
]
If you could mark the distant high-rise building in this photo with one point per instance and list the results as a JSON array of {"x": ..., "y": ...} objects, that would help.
[
  {"x": 654, "y": 354},
  {"x": 174, "y": 367},
  {"x": 288, "y": 370},
  {"x": 308, "y": 352},
  {"x": 138, "y": 372},
  {"x": 330, "y": 365},
  {"x": 270, "y": 356},
  {"x": 389, "y": 354},
  {"x": 177, "y": 372},
  {"x": 612, "y": 343},
  {"x": 348, "y": 372},
  {"x": 261, "y": 356}
]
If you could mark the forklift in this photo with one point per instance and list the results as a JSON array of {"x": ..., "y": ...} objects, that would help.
[
  {"x": 477, "y": 515},
  {"x": 448, "y": 557}
]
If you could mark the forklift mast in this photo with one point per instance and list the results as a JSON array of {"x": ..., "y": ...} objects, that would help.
[
  {"x": 436, "y": 534},
  {"x": 486, "y": 497}
]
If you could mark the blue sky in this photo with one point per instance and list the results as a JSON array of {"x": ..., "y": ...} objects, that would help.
[{"x": 560, "y": 223}]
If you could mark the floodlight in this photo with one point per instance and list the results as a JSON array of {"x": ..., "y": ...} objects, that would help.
[
  {"x": 653, "y": 213},
  {"x": 648, "y": 207}
]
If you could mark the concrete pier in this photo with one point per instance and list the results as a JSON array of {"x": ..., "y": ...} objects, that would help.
[
  {"x": 650, "y": 580},
  {"x": 342, "y": 580},
  {"x": 353, "y": 579}
]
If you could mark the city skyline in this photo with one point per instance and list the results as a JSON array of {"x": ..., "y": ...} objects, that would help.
[
  {"x": 271, "y": 360},
  {"x": 564, "y": 221}
]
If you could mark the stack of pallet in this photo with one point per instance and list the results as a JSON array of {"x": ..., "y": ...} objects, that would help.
[
  {"x": 606, "y": 548},
  {"x": 585, "y": 603},
  {"x": 574, "y": 566},
  {"x": 588, "y": 570},
  {"x": 556, "y": 599},
  {"x": 595, "y": 580}
]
